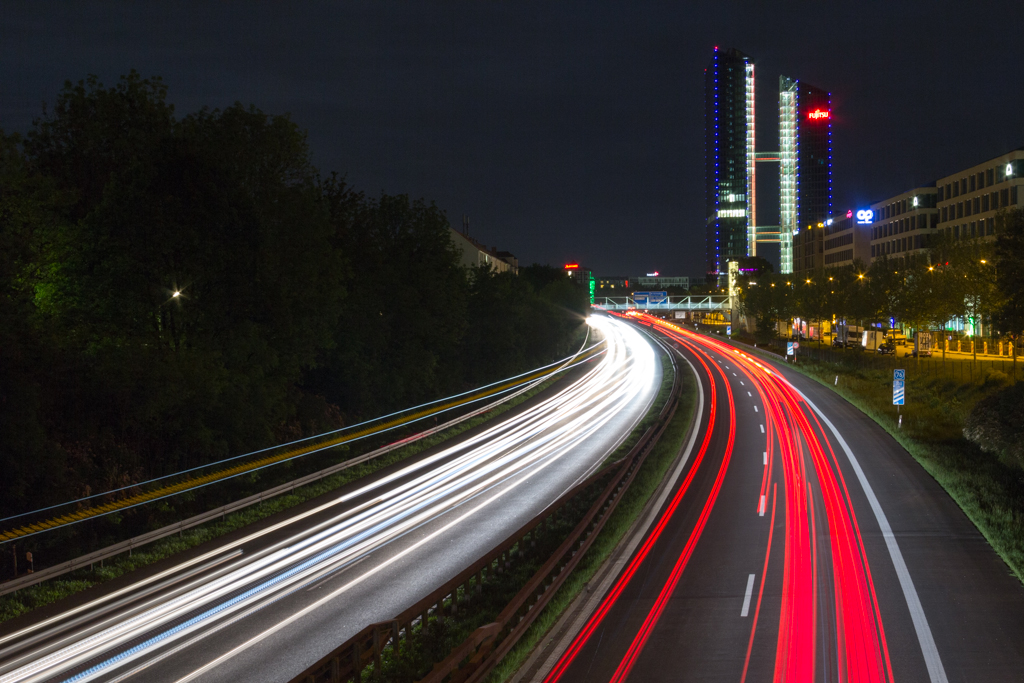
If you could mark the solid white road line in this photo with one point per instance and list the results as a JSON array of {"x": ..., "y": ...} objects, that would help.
[
  {"x": 746, "y": 596},
  {"x": 936, "y": 672}
]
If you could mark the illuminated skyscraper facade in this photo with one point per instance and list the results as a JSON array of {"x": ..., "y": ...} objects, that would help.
[
  {"x": 805, "y": 173},
  {"x": 729, "y": 173}
]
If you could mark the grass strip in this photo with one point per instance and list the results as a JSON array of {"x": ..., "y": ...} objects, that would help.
[
  {"x": 48, "y": 592},
  {"x": 433, "y": 642},
  {"x": 647, "y": 480}
]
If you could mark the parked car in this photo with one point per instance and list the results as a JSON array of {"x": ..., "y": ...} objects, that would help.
[{"x": 888, "y": 346}]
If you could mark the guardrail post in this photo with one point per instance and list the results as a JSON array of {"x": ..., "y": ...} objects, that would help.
[
  {"x": 335, "y": 670},
  {"x": 376, "y": 652},
  {"x": 357, "y": 660}
]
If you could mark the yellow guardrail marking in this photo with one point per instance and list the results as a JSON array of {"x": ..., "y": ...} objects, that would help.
[{"x": 170, "y": 489}]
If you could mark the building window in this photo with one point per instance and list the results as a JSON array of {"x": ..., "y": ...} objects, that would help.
[
  {"x": 963, "y": 186},
  {"x": 995, "y": 200},
  {"x": 945, "y": 214},
  {"x": 988, "y": 177},
  {"x": 1013, "y": 195},
  {"x": 959, "y": 209},
  {"x": 984, "y": 202},
  {"x": 940, "y": 193},
  {"x": 1004, "y": 197},
  {"x": 973, "y": 181},
  {"x": 956, "y": 232},
  {"x": 974, "y": 228}
]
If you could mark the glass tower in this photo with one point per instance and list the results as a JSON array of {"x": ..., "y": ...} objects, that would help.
[
  {"x": 805, "y": 173},
  {"x": 729, "y": 179}
]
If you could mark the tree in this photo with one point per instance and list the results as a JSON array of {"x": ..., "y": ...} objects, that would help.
[
  {"x": 1008, "y": 316},
  {"x": 768, "y": 300}
]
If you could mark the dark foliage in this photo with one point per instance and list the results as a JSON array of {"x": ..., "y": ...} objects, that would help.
[
  {"x": 176, "y": 290},
  {"x": 996, "y": 424}
]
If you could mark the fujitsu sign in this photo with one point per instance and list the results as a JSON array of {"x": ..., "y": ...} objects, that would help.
[{"x": 819, "y": 114}]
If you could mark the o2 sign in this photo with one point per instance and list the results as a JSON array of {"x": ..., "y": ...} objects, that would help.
[
  {"x": 865, "y": 216},
  {"x": 819, "y": 115}
]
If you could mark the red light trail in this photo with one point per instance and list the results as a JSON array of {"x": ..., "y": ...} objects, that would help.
[{"x": 810, "y": 473}]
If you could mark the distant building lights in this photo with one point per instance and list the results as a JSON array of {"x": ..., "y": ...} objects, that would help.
[{"x": 1009, "y": 170}]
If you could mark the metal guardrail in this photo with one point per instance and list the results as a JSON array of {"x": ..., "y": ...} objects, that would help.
[
  {"x": 472, "y": 660},
  {"x": 129, "y": 545},
  {"x": 272, "y": 456}
]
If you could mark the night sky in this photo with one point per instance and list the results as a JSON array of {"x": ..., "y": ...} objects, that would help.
[{"x": 565, "y": 131}]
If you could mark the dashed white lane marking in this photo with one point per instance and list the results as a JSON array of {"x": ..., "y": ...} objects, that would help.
[
  {"x": 756, "y": 410},
  {"x": 760, "y": 508},
  {"x": 741, "y": 383},
  {"x": 734, "y": 374},
  {"x": 766, "y": 457},
  {"x": 746, "y": 596},
  {"x": 750, "y": 394},
  {"x": 762, "y": 429}
]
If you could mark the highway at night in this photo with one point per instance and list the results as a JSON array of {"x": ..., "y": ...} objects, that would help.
[
  {"x": 264, "y": 603},
  {"x": 797, "y": 542}
]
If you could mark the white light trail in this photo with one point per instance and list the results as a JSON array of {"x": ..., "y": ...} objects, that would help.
[{"x": 185, "y": 604}]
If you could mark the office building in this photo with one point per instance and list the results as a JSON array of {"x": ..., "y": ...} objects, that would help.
[
  {"x": 847, "y": 240},
  {"x": 969, "y": 200},
  {"x": 805, "y": 173},
  {"x": 728, "y": 158},
  {"x": 902, "y": 226}
]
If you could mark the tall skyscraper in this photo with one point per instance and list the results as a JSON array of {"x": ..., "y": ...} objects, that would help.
[
  {"x": 805, "y": 173},
  {"x": 729, "y": 177}
]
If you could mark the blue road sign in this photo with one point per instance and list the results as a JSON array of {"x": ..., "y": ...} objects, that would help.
[
  {"x": 899, "y": 374},
  {"x": 898, "y": 387},
  {"x": 789, "y": 348}
]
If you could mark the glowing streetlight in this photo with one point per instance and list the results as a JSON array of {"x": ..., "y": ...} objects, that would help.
[{"x": 176, "y": 294}]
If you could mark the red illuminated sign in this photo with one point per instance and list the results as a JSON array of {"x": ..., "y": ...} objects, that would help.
[
  {"x": 818, "y": 115},
  {"x": 849, "y": 214},
  {"x": 570, "y": 266}
]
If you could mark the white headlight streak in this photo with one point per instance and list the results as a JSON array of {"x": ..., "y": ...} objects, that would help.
[{"x": 182, "y": 605}]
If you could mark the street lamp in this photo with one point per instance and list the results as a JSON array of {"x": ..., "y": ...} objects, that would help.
[{"x": 176, "y": 294}]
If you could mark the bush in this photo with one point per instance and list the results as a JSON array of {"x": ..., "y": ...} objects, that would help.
[{"x": 996, "y": 424}]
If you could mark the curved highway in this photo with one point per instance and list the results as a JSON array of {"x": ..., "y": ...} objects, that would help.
[
  {"x": 797, "y": 542},
  {"x": 266, "y": 602}
]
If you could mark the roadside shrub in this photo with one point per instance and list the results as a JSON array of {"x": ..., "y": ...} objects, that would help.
[{"x": 996, "y": 424}]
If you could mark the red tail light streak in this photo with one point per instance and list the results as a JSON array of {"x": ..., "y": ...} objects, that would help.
[{"x": 829, "y": 607}]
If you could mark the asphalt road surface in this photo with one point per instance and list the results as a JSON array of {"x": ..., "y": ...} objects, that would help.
[
  {"x": 800, "y": 542},
  {"x": 266, "y": 602}
]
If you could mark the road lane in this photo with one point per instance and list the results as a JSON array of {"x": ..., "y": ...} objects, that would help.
[
  {"x": 828, "y": 600},
  {"x": 371, "y": 551}
]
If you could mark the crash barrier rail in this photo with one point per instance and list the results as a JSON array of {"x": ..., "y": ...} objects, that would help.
[
  {"x": 472, "y": 660},
  {"x": 270, "y": 456},
  {"x": 131, "y": 544}
]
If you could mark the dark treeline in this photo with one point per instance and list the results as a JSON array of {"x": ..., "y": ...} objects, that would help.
[{"x": 177, "y": 290}]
